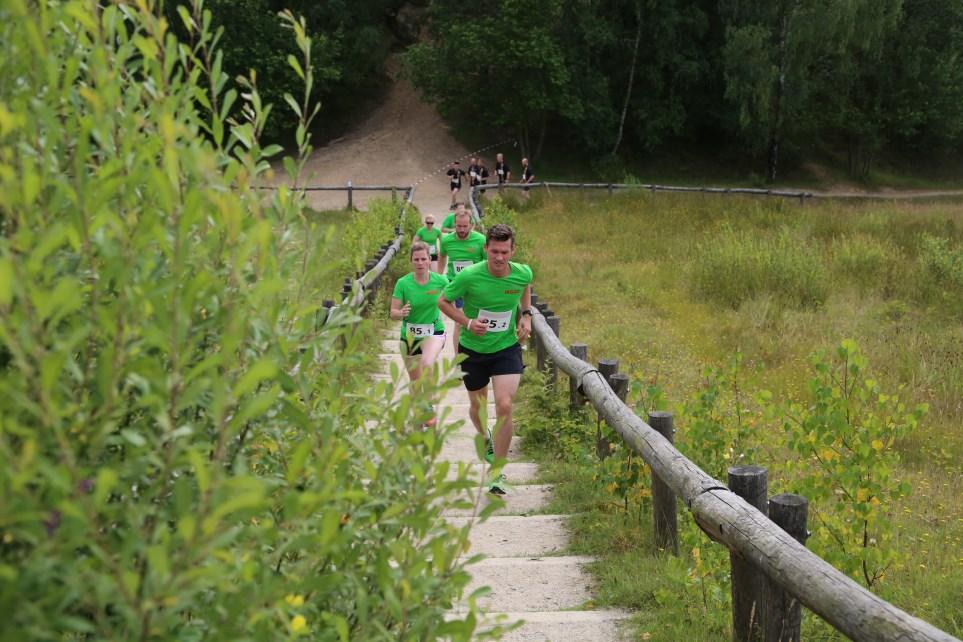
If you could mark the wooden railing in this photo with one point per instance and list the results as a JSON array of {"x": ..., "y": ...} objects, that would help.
[
  {"x": 363, "y": 286},
  {"x": 772, "y": 570},
  {"x": 786, "y": 565},
  {"x": 350, "y": 188}
]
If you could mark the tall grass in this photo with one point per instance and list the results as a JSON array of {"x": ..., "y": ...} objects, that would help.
[
  {"x": 670, "y": 284},
  {"x": 734, "y": 267}
]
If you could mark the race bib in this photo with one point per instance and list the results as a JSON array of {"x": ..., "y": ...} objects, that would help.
[
  {"x": 421, "y": 330},
  {"x": 461, "y": 265},
  {"x": 496, "y": 321},
  {"x": 474, "y": 174},
  {"x": 501, "y": 172}
]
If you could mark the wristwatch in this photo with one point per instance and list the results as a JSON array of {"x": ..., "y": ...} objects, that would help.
[{"x": 527, "y": 312}]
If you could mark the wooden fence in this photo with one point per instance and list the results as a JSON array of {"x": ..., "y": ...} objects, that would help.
[
  {"x": 773, "y": 573},
  {"x": 350, "y": 188},
  {"x": 363, "y": 286}
]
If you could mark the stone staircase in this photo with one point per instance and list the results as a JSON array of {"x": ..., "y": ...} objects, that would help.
[{"x": 530, "y": 580}]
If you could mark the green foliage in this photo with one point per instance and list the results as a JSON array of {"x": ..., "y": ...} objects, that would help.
[
  {"x": 941, "y": 262},
  {"x": 718, "y": 430},
  {"x": 846, "y": 438},
  {"x": 186, "y": 456},
  {"x": 349, "y": 39},
  {"x": 732, "y": 267},
  {"x": 500, "y": 210}
]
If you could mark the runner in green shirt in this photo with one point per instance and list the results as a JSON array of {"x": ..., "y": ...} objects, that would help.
[
  {"x": 459, "y": 250},
  {"x": 448, "y": 225},
  {"x": 429, "y": 235},
  {"x": 492, "y": 292},
  {"x": 415, "y": 303}
]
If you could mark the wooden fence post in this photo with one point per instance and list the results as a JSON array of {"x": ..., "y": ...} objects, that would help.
[
  {"x": 748, "y": 582},
  {"x": 610, "y": 189},
  {"x": 783, "y": 615},
  {"x": 350, "y": 200},
  {"x": 552, "y": 369},
  {"x": 603, "y": 447},
  {"x": 663, "y": 499},
  {"x": 575, "y": 399}
]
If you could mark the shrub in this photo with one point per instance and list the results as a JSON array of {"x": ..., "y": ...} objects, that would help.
[
  {"x": 731, "y": 267},
  {"x": 186, "y": 456},
  {"x": 940, "y": 262},
  {"x": 866, "y": 259}
]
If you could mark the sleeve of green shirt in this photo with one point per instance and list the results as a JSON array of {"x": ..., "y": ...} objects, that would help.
[{"x": 456, "y": 287}]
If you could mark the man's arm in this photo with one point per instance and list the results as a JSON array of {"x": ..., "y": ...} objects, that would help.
[
  {"x": 442, "y": 259},
  {"x": 525, "y": 321},
  {"x": 449, "y": 310}
]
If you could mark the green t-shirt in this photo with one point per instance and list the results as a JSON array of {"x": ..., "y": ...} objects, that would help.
[
  {"x": 449, "y": 222},
  {"x": 424, "y": 304},
  {"x": 462, "y": 254},
  {"x": 498, "y": 297},
  {"x": 430, "y": 237}
]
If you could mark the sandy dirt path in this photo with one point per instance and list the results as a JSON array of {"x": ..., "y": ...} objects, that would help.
[{"x": 403, "y": 142}]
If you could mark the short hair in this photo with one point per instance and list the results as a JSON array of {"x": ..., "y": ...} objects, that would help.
[
  {"x": 456, "y": 205},
  {"x": 418, "y": 246},
  {"x": 462, "y": 213},
  {"x": 500, "y": 232}
]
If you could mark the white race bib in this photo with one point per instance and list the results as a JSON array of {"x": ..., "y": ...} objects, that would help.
[
  {"x": 496, "y": 321},
  {"x": 421, "y": 330},
  {"x": 473, "y": 174},
  {"x": 501, "y": 172},
  {"x": 461, "y": 265}
]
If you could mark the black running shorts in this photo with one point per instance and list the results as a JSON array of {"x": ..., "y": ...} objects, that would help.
[{"x": 480, "y": 367}]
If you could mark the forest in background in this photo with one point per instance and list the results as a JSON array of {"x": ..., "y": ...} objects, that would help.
[{"x": 776, "y": 82}]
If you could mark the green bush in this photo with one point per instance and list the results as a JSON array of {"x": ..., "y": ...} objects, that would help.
[
  {"x": 732, "y": 267},
  {"x": 185, "y": 454},
  {"x": 941, "y": 262}
]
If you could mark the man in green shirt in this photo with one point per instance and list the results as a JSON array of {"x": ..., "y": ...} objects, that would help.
[
  {"x": 459, "y": 250},
  {"x": 429, "y": 235},
  {"x": 448, "y": 225},
  {"x": 492, "y": 292}
]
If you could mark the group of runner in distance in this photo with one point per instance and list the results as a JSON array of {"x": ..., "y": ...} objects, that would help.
[{"x": 470, "y": 277}]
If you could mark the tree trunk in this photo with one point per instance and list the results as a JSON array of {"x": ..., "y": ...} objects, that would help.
[
  {"x": 628, "y": 88},
  {"x": 775, "y": 124}
]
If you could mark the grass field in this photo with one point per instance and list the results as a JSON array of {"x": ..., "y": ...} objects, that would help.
[{"x": 671, "y": 285}]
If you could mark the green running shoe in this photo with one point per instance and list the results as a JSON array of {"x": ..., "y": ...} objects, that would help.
[
  {"x": 497, "y": 487},
  {"x": 489, "y": 449}
]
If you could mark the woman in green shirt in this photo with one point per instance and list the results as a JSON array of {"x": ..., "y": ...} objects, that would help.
[
  {"x": 415, "y": 303},
  {"x": 429, "y": 235}
]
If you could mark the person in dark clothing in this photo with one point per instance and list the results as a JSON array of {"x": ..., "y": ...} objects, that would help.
[
  {"x": 455, "y": 174},
  {"x": 528, "y": 174},
  {"x": 502, "y": 170}
]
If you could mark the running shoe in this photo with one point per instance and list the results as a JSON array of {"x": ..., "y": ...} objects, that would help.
[
  {"x": 489, "y": 449},
  {"x": 498, "y": 485}
]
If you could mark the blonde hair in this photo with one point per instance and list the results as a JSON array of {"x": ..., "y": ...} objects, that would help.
[{"x": 418, "y": 246}]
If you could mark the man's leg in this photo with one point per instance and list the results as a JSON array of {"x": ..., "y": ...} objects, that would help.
[
  {"x": 505, "y": 387},
  {"x": 475, "y": 399}
]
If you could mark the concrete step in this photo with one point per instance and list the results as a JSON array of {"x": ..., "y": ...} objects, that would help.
[
  {"x": 533, "y": 584},
  {"x": 511, "y": 536},
  {"x": 520, "y": 500},
  {"x": 461, "y": 447},
  {"x": 516, "y": 472},
  {"x": 562, "y": 626}
]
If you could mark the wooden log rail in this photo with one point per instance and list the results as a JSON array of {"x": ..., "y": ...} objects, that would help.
[
  {"x": 732, "y": 521},
  {"x": 349, "y": 187},
  {"x": 364, "y": 286}
]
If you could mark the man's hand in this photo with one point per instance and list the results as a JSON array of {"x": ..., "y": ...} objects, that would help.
[
  {"x": 405, "y": 310},
  {"x": 524, "y": 327},
  {"x": 479, "y": 327}
]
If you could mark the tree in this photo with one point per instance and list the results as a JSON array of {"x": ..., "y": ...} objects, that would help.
[
  {"x": 507, "y": 64},
  {"x": 770, "y": 50}
]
